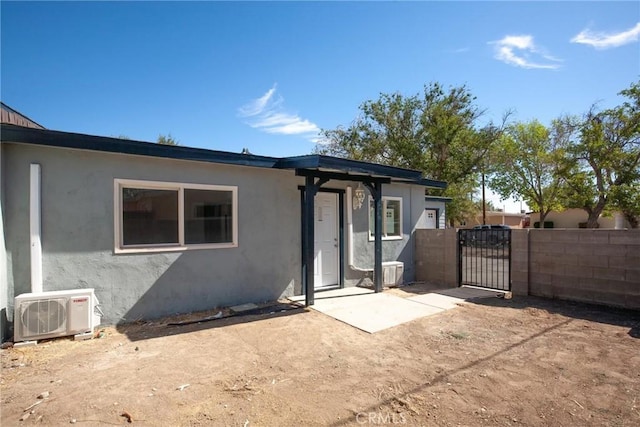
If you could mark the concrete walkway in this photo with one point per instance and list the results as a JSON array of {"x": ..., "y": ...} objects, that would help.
[{"x": 371, "y": 312}]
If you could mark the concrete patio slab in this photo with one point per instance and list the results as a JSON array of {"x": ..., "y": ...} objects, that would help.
[
  {"x": 443, "y": 302},
  {"x": 452, "y": 297},
  {"x": 364, "y": 309},
  {"x": 469, "y": 293},
  {"x": 368, "y": 311}
]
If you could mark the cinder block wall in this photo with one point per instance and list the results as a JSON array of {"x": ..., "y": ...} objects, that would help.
[
  {"x": 520, "y": 262},
  {"x": 597, "y": 266},
  {"x": 437, "y": 257},
  {"x": 600, "y": 266}
]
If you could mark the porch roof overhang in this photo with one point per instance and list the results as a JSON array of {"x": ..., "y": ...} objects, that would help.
[
  {"x": 355, "y": 170},
  {"x": 318, "y": 170}
]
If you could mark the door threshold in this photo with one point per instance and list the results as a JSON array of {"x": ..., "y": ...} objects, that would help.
[{"x": 326, "y": 288}]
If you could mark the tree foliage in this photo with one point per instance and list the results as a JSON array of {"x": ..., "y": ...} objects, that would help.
[
  {"x": 167, "y": 140},
  {"x": 435, "y": 132},
  {"x": 626, "y": 199},
  {"x": 529, "y": 162},
  {"x": 606, "y": 154}
]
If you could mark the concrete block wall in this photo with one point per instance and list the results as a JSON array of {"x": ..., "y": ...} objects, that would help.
[
  {"x": 437, "y": 256},
  {"x": 599, "y": 266},
  {"x": 520, "y": 262},
  {"x": 596, "y": 266}
]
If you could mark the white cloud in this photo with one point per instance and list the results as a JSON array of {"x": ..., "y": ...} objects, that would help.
[
  {"x": 600, "y": 40},
  {"x": 521, "y": 51},
  {"x": 267, "y": 114}
]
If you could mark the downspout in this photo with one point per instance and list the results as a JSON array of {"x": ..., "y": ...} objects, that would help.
[
  {"x": 350, "y": 234},
  {"x": 35, "y": 228}
]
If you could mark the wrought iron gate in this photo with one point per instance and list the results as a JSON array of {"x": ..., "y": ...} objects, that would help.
[{"x": 484, "y": 257}]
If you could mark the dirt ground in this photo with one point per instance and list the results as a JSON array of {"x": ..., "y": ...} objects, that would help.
[{"x": 520, "y": 362}]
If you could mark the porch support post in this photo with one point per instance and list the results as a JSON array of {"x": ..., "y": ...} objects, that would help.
[
  {"x": 310, "y": 190},
  {"x": 307, "y": 266},
  {"x": 375, "y": 188}
]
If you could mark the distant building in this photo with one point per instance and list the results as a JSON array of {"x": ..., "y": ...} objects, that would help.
[
  {"x": 513, "y": 220},
  {"x": 12, "y": 117},
  {"x": 577, "y": 218}
]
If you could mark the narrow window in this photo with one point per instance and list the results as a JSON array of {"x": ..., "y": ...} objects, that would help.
[{"x": 391, "y": 218}]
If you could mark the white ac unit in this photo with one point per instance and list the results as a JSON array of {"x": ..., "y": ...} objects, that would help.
[
  {"x": 392, "y": 273},
  {"x": 56, "y": 314}
]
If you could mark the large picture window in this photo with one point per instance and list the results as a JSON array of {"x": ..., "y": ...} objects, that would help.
[
  {"x": 156, "y": 216},
  {"x": 391, "y": 218}
]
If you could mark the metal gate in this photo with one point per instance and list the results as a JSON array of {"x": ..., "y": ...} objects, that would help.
[{"x": 484, "y": 257}]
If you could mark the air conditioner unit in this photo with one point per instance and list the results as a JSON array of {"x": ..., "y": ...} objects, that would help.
[
  {"x": 392, "y": 273},
  {"x": 56, "y": 314}
]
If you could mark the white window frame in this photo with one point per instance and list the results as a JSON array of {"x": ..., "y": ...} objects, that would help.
[
  {"x": 385, "y": 236},
  {"x": 119, "y": 248}
]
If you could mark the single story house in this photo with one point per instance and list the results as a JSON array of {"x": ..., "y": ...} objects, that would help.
[
  {"x": 158, "y": 230},
  {"x": 577, "y": 218}
]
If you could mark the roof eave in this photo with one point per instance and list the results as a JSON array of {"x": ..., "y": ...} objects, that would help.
[{"x": 18, "y": 134}]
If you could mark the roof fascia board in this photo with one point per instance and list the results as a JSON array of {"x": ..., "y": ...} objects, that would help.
[
  {"x": 347, "y": 165},
  {"x": 345, "y": 169},
  {"x": 51, "y": 138}
]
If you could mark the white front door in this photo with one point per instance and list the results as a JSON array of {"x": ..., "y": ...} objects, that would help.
[
  {"x": 326, "y": 251},
  {"x": 431, "y": 216}
]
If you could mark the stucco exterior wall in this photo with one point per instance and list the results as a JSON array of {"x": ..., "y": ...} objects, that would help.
[
  {"x": 78, "y": 234},
  {"x": 392, "y": 250}
]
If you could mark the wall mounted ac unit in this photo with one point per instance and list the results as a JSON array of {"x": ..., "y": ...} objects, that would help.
[
  {"x": 56, "y": 314},
  {"x": 392, "y": 273}
]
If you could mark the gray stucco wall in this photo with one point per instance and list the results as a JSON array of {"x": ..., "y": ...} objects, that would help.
[
  {"x": 392, "y": 250},
  {"x": 4, "y": 288},
  {"x": 78, "y": 234}
]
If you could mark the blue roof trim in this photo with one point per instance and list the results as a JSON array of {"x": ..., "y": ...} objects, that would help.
[
  {"x": 438, "y": 199},
  {"x": 11, "y": 133},
  {"x": 51, "y": 138},
  {"x": 316, "y": 161}
]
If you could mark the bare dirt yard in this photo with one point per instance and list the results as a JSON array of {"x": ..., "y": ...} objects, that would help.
[{"x": 519, "y": 362}]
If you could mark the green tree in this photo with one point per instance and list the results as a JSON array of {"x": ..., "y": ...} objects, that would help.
[
  {"x": 167, "y": 140},
  {"x": 529, "y": 163},
  {"x": 606, "y": 152},
  {"x": 436, "y": 132},
  {"x": 626, "y": 199}
]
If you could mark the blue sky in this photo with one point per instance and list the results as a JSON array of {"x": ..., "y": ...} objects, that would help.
[{"x": 268, "y": 76}]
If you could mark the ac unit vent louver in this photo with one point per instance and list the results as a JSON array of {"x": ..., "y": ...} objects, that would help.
[
  {"x": 44, "y": 317},
  {"x": 392, "y": 273}
]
